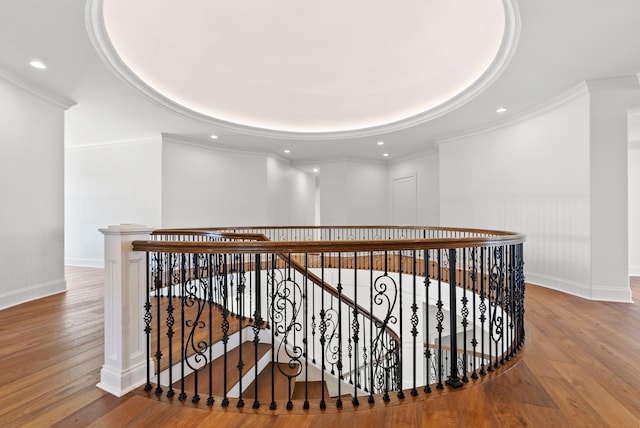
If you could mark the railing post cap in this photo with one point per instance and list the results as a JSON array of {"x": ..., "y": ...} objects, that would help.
[{"x": 126, "y": 229}]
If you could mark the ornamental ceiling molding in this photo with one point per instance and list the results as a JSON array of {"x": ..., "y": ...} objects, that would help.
[
  {"x": 32, "y": 88},
  {"x": 564, "y": 97},
  {"x": 95, "y": 22}
]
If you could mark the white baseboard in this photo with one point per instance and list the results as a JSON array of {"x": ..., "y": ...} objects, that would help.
[
  {"x": 586, "y": 291},
  {"x": 32, "y": 292},
  {"x": 634, "y": 270},
  {"x": 97, "y": 263}
]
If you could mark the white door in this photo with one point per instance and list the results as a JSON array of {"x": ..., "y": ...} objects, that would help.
[{"x": 404, "y": 194}]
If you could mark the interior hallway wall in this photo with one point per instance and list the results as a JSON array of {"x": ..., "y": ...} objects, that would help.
[
  {"x": 634, "y": 209},
  {"x": 531, "y": 176},
  {"x": 291, "y": 198},
  {"x": 203, "y": 187},
  {"x": 32, "y": 189},
  {"x": 353, "y": 193},
  {"x": 109, "y": 184}
]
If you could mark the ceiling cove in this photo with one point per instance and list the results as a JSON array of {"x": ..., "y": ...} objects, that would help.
[{"x": 307, "y": 70}]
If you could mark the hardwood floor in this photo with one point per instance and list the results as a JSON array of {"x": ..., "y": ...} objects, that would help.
[{"x": 580, "y": 367}]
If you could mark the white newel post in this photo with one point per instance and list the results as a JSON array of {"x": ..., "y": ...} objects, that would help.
[{"x": 125, "y": 365}]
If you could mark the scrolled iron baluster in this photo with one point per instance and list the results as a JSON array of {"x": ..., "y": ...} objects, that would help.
[
  {"x": 414, "y": 327},
  {"x": 496, "y": 287},
  {"x": 398, "y": 367},
  {"x": 439, "y": 318},
  {"x": 305, "y": 298},
  {"x": 224, "y": 327},
  {"x": 453, "y": 380},
  {"x": 181, "y": 282},
  {"x": 271, "y": 313},
  {"x": 426, "y": 340},
  {"x": 474, "y": 282},
  {"x": 209, "y": 283},
  {"x": 200, "y": 360},
  {"x": 370, "y": 399},
  {"x": 483, "y": 308},
  {"x": 147, "y": 318},
  {"x": 170, "y": 322},
  {"x": 355, "y": 327},
  {"x": 322, "y": 331},
  {"x": 507, "y": 350},
  {"x": 158, "y": 291},
  {"x": 152, "y": 281},
  {"x": 339, "y": 363},
  {"x": 383, "y": 346},
  {"x": 287, "y": 301},
  {"x": 257, "y": 323},
  {"x": 465, "y": 314},
  {"x": 241, "y": 281}
]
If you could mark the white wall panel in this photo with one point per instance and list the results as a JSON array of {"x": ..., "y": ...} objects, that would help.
[
  {"x": 291, "y": 195},
  {"x": 32, "y": 192},
  {"x": 353, "y": 193},
  {"x": 210, "y": 187},
  {"x": 530, "y": 177},
  {"x": 634, "y": 210},
  {"x": 109, "y": 184}
]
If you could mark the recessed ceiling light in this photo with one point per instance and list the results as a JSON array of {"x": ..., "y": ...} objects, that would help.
[
  {"x": 386, "y": 155},
  {"x": 287, "y": 151},
  {"x": 213, "y": 137},
  {"x": 315, "y": 169},
  {"x": 37, "y": 64},
  {"x": 501, "y": 110},
  {"x": 380, "y": 143}
]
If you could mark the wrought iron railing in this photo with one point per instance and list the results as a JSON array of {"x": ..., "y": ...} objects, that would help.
[{"x": 363, "y": 311}]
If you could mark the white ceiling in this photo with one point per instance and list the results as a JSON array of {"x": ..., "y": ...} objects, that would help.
[
  {"x": 303, "y": 67},
  {"x": 561, "y": 43}
]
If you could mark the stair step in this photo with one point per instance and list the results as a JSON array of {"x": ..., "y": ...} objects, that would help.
[
  {"x": 218, "y": 371},
  {"x": 280, "y": 381},
  {"x": 190, "y": 314},
  {"x": 315, "y": 390}
]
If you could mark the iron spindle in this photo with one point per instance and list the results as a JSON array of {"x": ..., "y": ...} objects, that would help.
[
  {"x": 453, "y": 380},
  {"x": 398, "y": 367}
]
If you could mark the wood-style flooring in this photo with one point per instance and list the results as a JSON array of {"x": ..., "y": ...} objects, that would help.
[{"x": 580, "y": 367}]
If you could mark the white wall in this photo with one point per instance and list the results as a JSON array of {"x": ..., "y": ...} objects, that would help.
[
  {"x": 109, "y": 184},
  {"x": 32, "y": 192},
  {"x": 291, "y": 199},
  {"x": 353, "y": 193},
  {"x": 610, "y": 103},
  {"x": 426, "y": 169},
  {"x": 530, "y": 177},
  {"x": 634, "y": 209},
  {"x": 212, "y": 187}
]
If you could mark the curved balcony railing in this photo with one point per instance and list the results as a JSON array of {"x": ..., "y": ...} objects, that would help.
[{"x": 270, "y": 313}]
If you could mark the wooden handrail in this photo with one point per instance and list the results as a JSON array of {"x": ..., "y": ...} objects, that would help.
[
  {"x": 205, "y": 230},
  {"x": 217, "y": 247}
]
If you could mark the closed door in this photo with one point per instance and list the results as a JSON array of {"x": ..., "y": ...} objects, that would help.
[{"x": 404, "y": 193}]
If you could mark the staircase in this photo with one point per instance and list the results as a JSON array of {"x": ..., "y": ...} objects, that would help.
[
  {"x": 233, "y": 318},
  {"x": 241, "y": 370}
]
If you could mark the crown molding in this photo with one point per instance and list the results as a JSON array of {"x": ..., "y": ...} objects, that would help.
[
  {"x": 34, "y": 89},
  {"x": 320, "y": 162},
  {"x": 619, "y": 82},
  {"x": 94, "y": 19},
  {"x": 210, "y": 145},
  {"x": 569, "y": 95},
  {"x": 114, "y": 143},
  {"x": 422, "y": 154}
]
